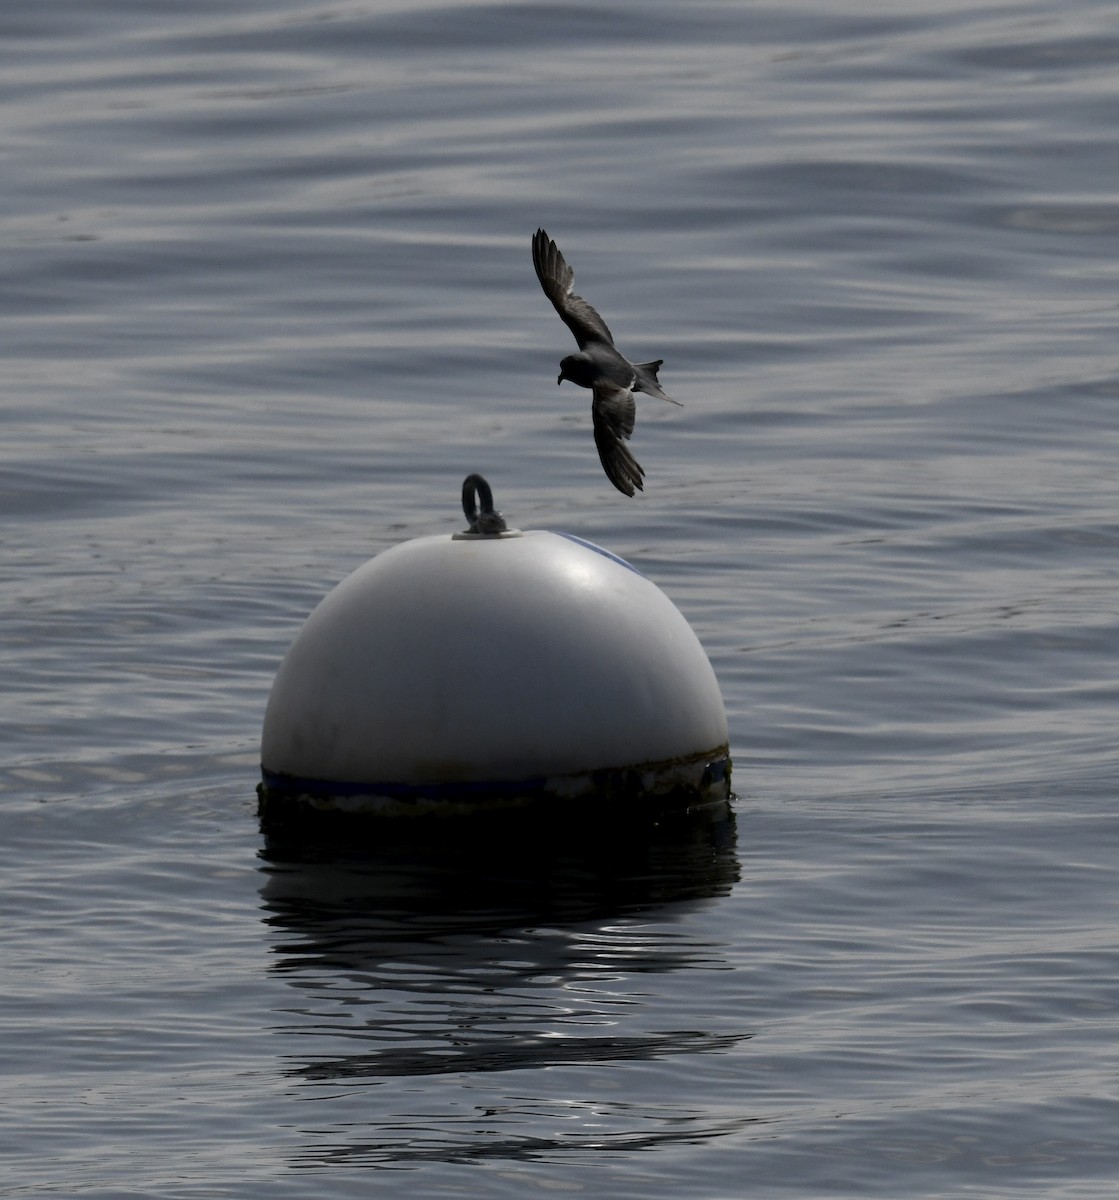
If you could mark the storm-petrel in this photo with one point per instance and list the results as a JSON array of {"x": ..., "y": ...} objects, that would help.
[{"x": 598, "y": 366}]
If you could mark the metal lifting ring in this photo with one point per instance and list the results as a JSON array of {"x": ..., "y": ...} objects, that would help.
[{"x": 477, "y": 504}]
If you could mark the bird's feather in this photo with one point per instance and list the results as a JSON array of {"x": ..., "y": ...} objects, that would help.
[
  {"x": 557, "y": 280},
  {"x": 613, "y": 411}
]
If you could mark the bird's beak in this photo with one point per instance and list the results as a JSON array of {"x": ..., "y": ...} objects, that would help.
[{"x": 559, "y": 379}]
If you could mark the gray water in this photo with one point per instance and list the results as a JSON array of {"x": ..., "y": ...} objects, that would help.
[{"x": 266, "y": 298}]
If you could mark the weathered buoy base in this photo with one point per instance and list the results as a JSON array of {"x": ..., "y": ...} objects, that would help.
[{"x": 655, "y": 787}]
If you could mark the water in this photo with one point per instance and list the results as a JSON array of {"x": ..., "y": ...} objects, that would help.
[{"x": 266, "y": 298}]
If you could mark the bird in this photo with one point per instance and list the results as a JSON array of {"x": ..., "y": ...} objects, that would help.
[{"x": 599, "y": 366}]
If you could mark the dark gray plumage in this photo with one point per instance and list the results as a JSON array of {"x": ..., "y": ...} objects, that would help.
[{"x": 599, "y": 366}]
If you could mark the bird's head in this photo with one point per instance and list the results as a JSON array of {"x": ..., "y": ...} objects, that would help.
[{"x": 578, "y": 368}]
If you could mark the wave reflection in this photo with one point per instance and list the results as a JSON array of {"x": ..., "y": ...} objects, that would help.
[{"x": 487, "y": 981}]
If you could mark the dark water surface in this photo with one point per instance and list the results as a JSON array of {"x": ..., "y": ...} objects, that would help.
[{"x": 266, "y": 297}]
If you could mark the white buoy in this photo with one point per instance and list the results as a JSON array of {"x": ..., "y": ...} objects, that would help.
[{"x": 479, "y": 670}]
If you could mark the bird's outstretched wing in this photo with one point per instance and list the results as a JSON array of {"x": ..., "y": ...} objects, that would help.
[
  {"x": 556, "y": 278},
  {"x": 613, "y": 410}
]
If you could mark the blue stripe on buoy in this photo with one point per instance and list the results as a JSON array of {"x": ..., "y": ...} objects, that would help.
[
  {"x": 599, "y": 550},
  {"x": 293, "y": 785}
]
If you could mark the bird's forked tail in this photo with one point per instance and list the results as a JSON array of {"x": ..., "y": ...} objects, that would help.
[{"x": 647, "y": 380}]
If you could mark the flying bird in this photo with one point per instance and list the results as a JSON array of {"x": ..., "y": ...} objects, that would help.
[{"x": 598, "y": 366}]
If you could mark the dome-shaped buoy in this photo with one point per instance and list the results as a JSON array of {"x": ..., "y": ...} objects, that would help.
[{"x": 493, "y": 668}]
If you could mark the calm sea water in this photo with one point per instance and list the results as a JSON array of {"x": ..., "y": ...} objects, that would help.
[{"x": 266, "y": 298}]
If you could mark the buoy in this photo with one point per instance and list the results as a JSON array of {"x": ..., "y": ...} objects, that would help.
[{"x": 493, "y": 668}]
